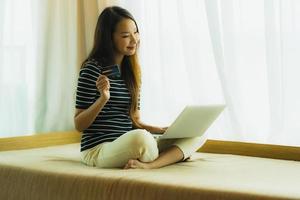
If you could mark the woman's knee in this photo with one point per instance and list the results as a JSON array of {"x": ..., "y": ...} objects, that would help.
[
  {"x": 145, "y": 144},
  {"x": 141, "y": 137}
]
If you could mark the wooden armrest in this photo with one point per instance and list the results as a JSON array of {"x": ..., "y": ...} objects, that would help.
[{"x": 39, "y": 140}]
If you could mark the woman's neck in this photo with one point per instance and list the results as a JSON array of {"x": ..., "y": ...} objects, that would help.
[{"x": 118, "y": 59}]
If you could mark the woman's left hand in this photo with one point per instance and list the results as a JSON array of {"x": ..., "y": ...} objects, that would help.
[{"x": 160, "y": 130}]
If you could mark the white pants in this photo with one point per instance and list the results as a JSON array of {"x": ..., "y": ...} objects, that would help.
[{"x": 136, "y": 144}]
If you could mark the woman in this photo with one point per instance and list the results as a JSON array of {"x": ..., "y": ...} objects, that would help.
[{"x": 107, "y": 107}]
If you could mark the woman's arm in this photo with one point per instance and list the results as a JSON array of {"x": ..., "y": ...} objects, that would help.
[
  {"x": 85, "y": 117},
  {"x": 149, "y": 128}
]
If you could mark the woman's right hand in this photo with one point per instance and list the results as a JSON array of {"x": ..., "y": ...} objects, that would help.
[{"x": 103, "y": 87}]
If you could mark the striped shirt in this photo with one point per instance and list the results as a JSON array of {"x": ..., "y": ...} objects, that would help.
[{"x": 113, "y": 120}]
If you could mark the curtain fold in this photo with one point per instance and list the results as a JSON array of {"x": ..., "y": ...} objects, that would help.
[
  {"x": 275, "y": 68},
  {"x": 87, "y": 15},
  {"x": 55, "y": 67},
  {"x": 232, "y": 129}
]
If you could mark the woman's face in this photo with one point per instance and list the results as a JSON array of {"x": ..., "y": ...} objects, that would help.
[{"x": 126, "y": 37}]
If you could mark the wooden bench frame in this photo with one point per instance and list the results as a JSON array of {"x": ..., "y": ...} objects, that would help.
[{"x": 211, "y": 146}]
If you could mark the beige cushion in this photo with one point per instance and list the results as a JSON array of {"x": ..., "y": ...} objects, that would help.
[{"x": 57, "y": 173}]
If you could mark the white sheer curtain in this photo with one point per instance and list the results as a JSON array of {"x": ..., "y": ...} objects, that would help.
[
  {"x": 255, "y": 45},
  {"x": 240, "y": 52},
  {"x": 16, "y": 58},
  {"x": 41, "y": 46}
]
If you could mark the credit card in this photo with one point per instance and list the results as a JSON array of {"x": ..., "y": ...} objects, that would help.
[{"x": 112, "y": 71}]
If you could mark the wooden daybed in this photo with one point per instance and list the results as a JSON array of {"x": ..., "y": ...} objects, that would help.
[{"x": 48, "y": 167}]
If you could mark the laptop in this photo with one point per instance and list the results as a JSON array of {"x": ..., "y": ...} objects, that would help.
[{"x": 193, "y": 121}]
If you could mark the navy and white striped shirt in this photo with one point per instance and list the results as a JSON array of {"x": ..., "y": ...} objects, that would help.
[{"x": 113, "y": 120}]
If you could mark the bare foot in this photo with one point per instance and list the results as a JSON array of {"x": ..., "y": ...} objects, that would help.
[{"x": 136, "y": 164}]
